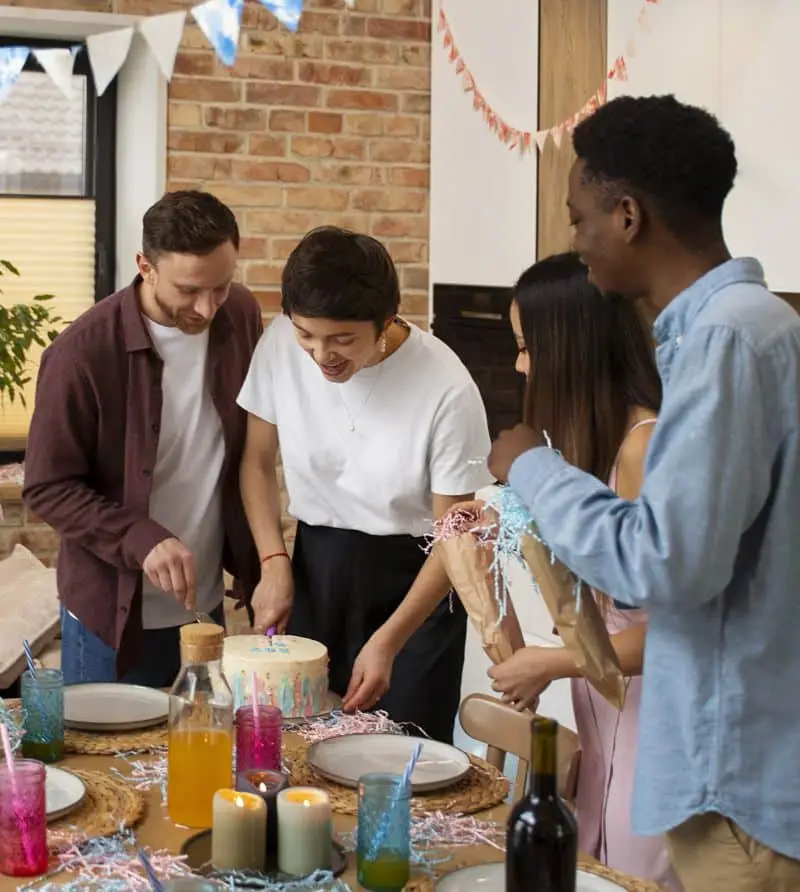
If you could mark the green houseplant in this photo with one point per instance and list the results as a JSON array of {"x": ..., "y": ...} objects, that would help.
[{"x": 21, "y": 326}]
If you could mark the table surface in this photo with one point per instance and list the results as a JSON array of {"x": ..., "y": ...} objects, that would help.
[{"x": 158, "y": 832}]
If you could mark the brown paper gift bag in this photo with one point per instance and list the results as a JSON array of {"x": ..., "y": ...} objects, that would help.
[
  {"x": 468, "y": 563},
  {"x": 583, "y": 631}
]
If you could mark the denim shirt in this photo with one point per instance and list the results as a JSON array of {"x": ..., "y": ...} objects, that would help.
[{"x": 711, "y": 549}]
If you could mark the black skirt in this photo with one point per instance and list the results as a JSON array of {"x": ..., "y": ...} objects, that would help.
[{"x": 347, "y": 584}]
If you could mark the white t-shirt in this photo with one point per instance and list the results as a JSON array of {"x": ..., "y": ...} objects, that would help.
[
  {"x": 186, "y": 497},
  {"x": 420, "y": 428}
]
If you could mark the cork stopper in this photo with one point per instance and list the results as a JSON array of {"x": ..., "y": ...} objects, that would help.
[{"x": 202, "y": 642}]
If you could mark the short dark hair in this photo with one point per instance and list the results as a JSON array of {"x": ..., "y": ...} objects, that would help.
[
  {"x": 337, "y": 274},
  {"x": 655, "y": 147},
  {"x": 187, "y": 222}
]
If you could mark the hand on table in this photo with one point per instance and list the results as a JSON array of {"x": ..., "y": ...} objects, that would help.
[
  {"x": 273, "y": 597},
  {"x": 170, "y": 567},
  {"x": 522, "y": 677},
  {"x": 508, "y": 447},
  {"x": 372, "y": 672}
]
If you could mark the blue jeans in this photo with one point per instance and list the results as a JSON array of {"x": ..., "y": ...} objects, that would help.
[{"x": 85, "y": 658}]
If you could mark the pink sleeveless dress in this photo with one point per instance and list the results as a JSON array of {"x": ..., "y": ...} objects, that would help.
[{"x": 608, "y": 758}]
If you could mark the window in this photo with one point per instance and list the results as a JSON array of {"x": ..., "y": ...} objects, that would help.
[{"x": 57, "y": 201}]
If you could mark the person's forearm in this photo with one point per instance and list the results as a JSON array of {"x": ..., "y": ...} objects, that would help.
[
  {"x": 424, "y": 596},
  {"x": 261, "y": 498},
  {"x": 628, "y": 646}
]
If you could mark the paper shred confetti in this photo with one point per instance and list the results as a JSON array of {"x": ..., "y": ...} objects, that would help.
[
  {"x": 338, "y": 724},
  {"x": 144, "y": 773},
  {"x": 13, "y": 720},
  {"x": 240, "y": 879},
  {"x": 455, "y": 523},
  {"x": 108, "y": 865}
]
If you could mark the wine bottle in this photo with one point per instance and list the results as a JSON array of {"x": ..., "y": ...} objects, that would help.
[{"x": 542, "y": 836}]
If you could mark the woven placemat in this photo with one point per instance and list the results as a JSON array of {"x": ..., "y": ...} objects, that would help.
[
  {"x": 87, "y": 743},
  {"x": 427, "y": 882},
  {"x": 481, "y": 789},
  {"x": 109, "y": 806}
]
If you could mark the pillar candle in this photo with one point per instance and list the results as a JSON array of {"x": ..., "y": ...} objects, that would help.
[
  {"x": 266, "y": 785},
  {"x": 238, "y": 832},
  {"x": 305, "y": 834}
]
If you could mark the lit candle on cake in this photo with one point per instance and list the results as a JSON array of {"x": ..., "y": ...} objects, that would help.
[
  {"x": 266, "y": 785},
  {"x": 304, "y": 831},
  {"x": 239, "y": 831}
]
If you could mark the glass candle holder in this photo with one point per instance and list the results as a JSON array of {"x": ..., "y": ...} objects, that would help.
[
  {"x": 23, "y": 819},
  {"x": 384, "y": 832},
  {"x": 267, "y": 785},
  {"x": 43, "y": 708},
  {"x": 258, "y": 738}
]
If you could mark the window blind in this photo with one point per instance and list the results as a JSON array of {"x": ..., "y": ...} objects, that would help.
[{"x": 51, "y": 241}]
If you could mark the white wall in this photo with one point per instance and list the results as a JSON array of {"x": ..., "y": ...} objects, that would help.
[
  {"x": 483, "y": 196},
  {"x": 740, "y": 60}
]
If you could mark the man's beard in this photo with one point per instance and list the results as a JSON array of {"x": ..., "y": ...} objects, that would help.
[{"x": 187, "y": 322}]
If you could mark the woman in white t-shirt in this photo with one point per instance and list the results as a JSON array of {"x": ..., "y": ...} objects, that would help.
[{"x": 381, "y": 429}]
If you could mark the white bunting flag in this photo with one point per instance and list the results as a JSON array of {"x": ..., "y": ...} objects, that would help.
[
  {"x": 107, "y": 54},
  {"x": 58, "y": 63},
  {"x": 541, "y": 138},
  {"x": 163, "y": 34}
]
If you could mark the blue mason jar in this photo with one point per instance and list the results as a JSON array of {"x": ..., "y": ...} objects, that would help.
[
  {"x": 384, "y": 832},
  {"x": 43, "y": 708}
]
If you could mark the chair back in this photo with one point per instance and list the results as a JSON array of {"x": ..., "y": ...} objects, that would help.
[{"x": 508, "y": 732}]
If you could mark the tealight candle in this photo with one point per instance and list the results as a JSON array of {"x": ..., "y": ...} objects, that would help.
[
  {"x": 266, "y": 785},
  {"x": 238, "y": 831},
  {"x": 304, "y": 831}
]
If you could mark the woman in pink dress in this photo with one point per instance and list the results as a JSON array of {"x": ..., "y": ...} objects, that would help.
[{"x": 594, "y": 387}]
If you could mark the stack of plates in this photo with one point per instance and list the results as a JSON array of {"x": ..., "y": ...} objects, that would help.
[{"x": 105, "y": 708}]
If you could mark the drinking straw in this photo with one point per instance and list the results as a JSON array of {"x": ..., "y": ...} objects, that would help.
[
  {"x": 403, "y": 789},
  {"x": 34, "y": 676},
  {"x": 15, "y": 803},
  {"x": 155, "y": 882},
  {"x": 270, "y": 632}
]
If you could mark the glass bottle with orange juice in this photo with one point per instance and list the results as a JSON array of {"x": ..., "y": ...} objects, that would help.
[{"x": 200, "y": 756}]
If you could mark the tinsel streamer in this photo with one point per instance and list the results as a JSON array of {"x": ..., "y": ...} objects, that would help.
[
  {"x": 108, "y": 865},
  {"x": 12, "y": 719}
]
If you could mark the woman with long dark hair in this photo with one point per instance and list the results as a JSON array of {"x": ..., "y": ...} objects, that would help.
[{"x": 594, "y": 387}]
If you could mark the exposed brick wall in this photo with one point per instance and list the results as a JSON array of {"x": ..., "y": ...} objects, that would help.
[{"x": 328, "y": 125}]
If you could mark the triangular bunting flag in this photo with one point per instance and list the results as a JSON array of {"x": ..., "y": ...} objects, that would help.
[
  {"x": 12, "y": 61},
  {"x": 163, "y": 34},
  {"x": 442, "y": 21},
  {"x": 220, "y": 21},
  {"x": 557, "y": 132},
  {"x": 107, "y": 54},
  {"x": 287, "y": 12},
  {"x": 58, "y": 63},
  {"x": 541, "y": 138}
]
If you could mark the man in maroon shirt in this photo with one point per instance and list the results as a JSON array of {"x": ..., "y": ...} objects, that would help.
[{"x": 134, "y": 449}]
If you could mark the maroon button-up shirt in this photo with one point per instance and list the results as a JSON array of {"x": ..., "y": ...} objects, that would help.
[{"x": 92, "y": 449}]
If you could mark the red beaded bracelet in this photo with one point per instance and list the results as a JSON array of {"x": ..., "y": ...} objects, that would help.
[{"x": 269, "y": 557}]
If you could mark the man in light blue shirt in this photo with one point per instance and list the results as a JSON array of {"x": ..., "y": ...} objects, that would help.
[{"x": 711, "y": 548}]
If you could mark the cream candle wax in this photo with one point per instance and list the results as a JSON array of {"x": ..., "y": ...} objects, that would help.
[
  {"x": 305, "y": 835},
  {"x": 239, "y": 831}
]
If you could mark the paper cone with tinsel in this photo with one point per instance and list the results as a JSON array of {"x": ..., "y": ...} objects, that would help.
[
  {"x": 579, "y": 621},
  {"x": 468, "y": 563}
]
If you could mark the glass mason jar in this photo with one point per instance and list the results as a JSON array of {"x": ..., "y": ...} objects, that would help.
[
  {"x": 200, "y": 754},
  {"x": 43, "y": 708},
  {"x": 23, "y": 819},
  {"x": 258, "y": 737},
  {"x": 384, "y": 832}
]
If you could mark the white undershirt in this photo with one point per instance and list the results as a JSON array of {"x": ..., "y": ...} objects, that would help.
[
  {"x": 187, "y": 494},
  {"x": 420, "y": 428}
]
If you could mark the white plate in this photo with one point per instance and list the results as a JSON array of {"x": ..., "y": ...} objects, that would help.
[
  {"x": 64, "y": 792},
  {"x": 345, "y": 759},
  {"x": 113, "y": 707},
  {"x": 492, "y": 878}
]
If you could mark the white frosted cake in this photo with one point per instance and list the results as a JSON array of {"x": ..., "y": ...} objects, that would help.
[{"x": 290, "y": 673}]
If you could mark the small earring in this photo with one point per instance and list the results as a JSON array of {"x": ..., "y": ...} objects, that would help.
[{"x": 383, "y": 344}]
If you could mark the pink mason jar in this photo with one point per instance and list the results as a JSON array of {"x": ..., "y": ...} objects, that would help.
[{"x": 258, "y": 738}]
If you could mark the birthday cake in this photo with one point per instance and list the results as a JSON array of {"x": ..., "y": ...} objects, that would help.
[{"x": 289, "y": 672}]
